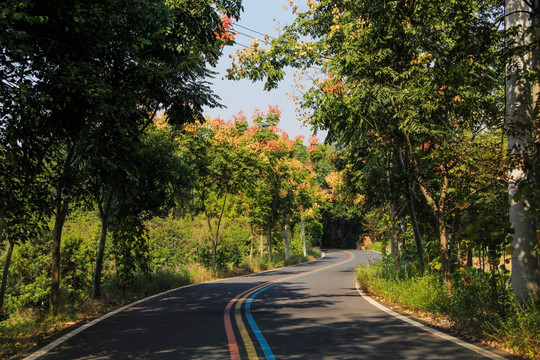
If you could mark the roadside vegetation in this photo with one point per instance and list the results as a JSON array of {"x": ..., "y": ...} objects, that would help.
[
  {"x": 28, "y": 321},
  {"x": 477, "y": 308},
  {"x": 113, "y": 185},
  {"x": 436, "y": 144}
]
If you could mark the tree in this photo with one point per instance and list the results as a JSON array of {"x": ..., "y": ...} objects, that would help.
[
  {"x": 252, "y": 165},
  {"x": 135, "y": 179},
  {"x": 224, "y": 164},
  {"x": 399, "y": 72},
  {"x": 98, "y": 65},
  {"x": 520, "y": 120}
]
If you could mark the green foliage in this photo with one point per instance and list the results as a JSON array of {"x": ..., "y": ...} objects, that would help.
[
  {"x": 130, "y": 250},
  {"x": 410, "y": 101},
  {"x": 267, "y": 262},
  {"x": 479, "y": 305},
  {"x": 520, "y": 330},
  {"x": 171, "y": 243},
  {"x": 77, "y": 268},
  {"x": 377, "y": 246},
  {"x": 314, "y": 233},
  {"x": 70, "y": 120},
  {"x": 171, "y": 250},
  {"x": 30, "y": 276}
]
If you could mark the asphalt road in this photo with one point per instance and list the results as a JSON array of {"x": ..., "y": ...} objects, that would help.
[{"x": 308, "y": 311}]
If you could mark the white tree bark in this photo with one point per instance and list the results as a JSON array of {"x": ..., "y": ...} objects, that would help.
[
  {"x": 287, "y": 239},
  {"x": 261, "y": 244},
  {"x": 303, "y": 236},
  {"x": 525, "y": 272}
]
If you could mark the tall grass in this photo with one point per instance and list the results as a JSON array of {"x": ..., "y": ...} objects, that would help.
[
  {"x": 257, "y": 263},
  {"x": 476, "y": 305}
]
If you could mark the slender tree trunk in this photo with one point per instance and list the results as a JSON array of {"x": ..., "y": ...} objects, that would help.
[
  {"x": 416, "y": 231},
  {"x": 438, "y": 210},
  {"x": 215, "y": 237},
  {"x": 60, "y": 218},
  {"x": 412, "y": 215},
  {"x": 303, "y": 236},
  {"x": 214, "y": 255},
  {"x": 251, "y": 238},
  {"x": 261, "y": 244},
  {"x": 104, "y": 213},
  {"x": 394, "y": 246},
  {"x": 5, "y": 274},
  {"x": 525, "y": 271},
  {"x": 469, "y": 259},
  {"x": 212, "y": 239},
  {"x": 286, "y": 234},
  {"x": 445, "y": 251},
  {"x": 269, "y": 239},
  {"x": 60, "y": 213}
]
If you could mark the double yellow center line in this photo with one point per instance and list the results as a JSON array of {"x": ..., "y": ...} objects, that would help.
[{"x": 249, "y": 295}]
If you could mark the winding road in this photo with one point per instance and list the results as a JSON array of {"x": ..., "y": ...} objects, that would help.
[{"x": 307, "y": 311}]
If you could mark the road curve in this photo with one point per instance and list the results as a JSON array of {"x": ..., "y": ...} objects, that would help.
[{"x": 308, "y": 311}]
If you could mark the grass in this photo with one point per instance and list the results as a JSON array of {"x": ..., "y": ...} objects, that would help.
[
  {"x": 472, "y": 308},
  {"x": 29, "y": 327},
  {"x": 376, "y": 246}
]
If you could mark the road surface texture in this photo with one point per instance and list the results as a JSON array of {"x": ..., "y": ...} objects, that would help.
[{"x": 308, "y": 311}]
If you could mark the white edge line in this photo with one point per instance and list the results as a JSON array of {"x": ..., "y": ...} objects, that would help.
[
  {"x": 44, "y": 350},
  {"x": 428, "y": 329}
]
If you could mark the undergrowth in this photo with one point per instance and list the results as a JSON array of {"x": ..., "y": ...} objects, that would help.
[
  {"x": 28, "y": 327},
  {"x": 477, "y": 305}
]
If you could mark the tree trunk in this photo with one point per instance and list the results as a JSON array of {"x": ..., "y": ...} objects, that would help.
[
  {"x": 261, "y": 244},
  {"x": 60, "y": 218},
  {"x": 525, "y": 271},
  {"x": 214, "y": 255},
  {"x": 445, "y": 250},
  {"x": 60, "y": 213},
  {"x": 536, "y": 119},
  {"x": 416, "y": 231},
  {"x": 215, "y": 237},
  {"x": 269, "y": 240},
  {"x": 5, "y": 274},
  {"x": 303, "y": 236},
  {"x": 251, "y": 238},
  {"x": 412, "y": 214},
  {"x": 286, "y": 239},
  {"x": 469, "y": 259},
  {"x": 104, "y": 213},
  {"x": 394, "y": 246},
  {"x": 438, "y": 210}
]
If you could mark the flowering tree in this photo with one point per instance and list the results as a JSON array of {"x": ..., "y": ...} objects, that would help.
[
  {"x": 398, "y": 74},
  {"x": 254, "y": 165}
]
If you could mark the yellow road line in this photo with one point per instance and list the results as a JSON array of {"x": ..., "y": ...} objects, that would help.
[
  {"x": 248, "y": 343},
  {"x": 241, "y": 298}
]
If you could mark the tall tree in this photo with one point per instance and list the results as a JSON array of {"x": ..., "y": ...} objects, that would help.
[
  {"x": 519, "y": 112},
  {"x": 109, "y": 63},
  {"x": 408, "y": 72}
]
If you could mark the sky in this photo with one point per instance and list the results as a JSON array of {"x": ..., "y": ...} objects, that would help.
[{"x": 261, "y": 16}]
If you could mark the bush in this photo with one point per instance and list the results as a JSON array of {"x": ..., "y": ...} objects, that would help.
[{"x": 30, "y": 276}]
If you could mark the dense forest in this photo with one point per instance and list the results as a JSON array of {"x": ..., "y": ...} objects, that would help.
[{"x": 112, "y": 177}]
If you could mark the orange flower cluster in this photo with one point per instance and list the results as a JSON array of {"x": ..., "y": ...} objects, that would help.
[
  {"x": 333, "y": 88},
  {"x": 224, "y": 33},
  {"x": 312, "y": 144}
]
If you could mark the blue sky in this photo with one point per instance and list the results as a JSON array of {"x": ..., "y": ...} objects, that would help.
[{"x": 258, "y": 15}]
